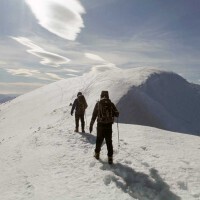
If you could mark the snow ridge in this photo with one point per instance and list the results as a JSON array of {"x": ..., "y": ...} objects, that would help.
[{"x": 42, "y": 158}]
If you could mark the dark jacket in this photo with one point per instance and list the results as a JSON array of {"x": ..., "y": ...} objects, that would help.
[{"x": 79, "y": 109}]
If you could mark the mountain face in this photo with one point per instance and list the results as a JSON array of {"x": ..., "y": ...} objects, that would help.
[
  {"x": 165, "y": 100},
  {"x": 5, "y": 98}
]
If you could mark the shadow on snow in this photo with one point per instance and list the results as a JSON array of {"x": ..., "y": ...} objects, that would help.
[
  {"x": 89, "y": 137},
  {"x": 139, "y": 185}
]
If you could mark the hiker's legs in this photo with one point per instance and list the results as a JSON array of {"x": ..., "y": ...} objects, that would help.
[
  {"x": 99, "y": 139},
  {"x": 108, "y": 138},
  {"x": 99, "y": 142},
  {"x": 82, "y": 122},
  {"x": 77, "y": 121}
]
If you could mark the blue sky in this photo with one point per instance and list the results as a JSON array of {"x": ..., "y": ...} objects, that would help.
[{"x": 45, "y": 41}]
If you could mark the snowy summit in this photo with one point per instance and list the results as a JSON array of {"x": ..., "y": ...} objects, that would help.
[{"x": 156, "y": 157}]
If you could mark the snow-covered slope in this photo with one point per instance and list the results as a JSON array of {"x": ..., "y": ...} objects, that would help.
[{"x": 42, "y": 158}]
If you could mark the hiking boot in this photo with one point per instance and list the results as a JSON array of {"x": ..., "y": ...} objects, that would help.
[
  {"x": 110, "y": 160},
  {"x": 96, "y": 155},
  {"x": 76, "y": 130}
]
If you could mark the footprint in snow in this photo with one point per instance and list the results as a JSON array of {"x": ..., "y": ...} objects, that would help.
[
  {"x": 128, "y": 162},
  {"x": 92, "y": 164},
  {"x": 155, "y": 156},
  {"x": 107, "y": 179},
  {"x": 144, "y": 148},
  {"x": 182, "y": 185},
  {"x": 145, "y": 164},
  {"x": 49, "y": 127}
]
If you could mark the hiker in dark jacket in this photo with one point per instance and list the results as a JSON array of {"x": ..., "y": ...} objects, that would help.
[
  {"x": 104, "y": 111},
  {"x": 79, "y": 106}
]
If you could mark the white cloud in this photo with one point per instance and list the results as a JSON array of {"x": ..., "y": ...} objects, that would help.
[
  {"x": 2, "y": 63},
  {"x": 34, "y": 74},
  {"x": 54, "y": 76},
  {"x": 48, "y": 58},
  {"x": 61, "y": 17},
  {"x": 74, "y": 75},
  {"x": 104, "y": 67},
  {"x": 22, "y": 72},
  {"x": 18, "y": 88},
  {"x": 94, "y": 57},
  {"x": 71, "y": 70},
  {"x": 101, "y": 64}
]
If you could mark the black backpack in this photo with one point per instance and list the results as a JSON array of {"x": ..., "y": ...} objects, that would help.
[
  {"x": 81, "y": 104},
  {"x": 105, "y": 111}
]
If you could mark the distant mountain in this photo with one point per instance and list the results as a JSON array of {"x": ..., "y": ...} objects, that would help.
[{"x": 4, "y": 98}]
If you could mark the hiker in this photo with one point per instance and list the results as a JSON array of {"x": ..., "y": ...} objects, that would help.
[
  {"x": 104, "y": 111},
  {"x": 79, "y": 105}
]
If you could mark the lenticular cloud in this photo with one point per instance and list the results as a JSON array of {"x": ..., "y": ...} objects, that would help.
[
  {"x": 61, "y": 17},
  {"x": 48, "y": 58},
  {"x": 94, "y": 57}
]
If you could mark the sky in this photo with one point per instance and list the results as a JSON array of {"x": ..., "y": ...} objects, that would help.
[{"x": 45, "y": 41}]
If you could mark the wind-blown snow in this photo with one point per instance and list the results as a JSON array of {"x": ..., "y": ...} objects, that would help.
[{"x": 42, "y": 158}]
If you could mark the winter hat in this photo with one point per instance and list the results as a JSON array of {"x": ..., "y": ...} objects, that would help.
[
  {"x": 79, "y": 94},
  {"x": 104, "y": 94}
]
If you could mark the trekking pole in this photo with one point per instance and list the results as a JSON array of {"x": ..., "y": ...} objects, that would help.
[
  {"x": 118, "y": 133},
  {"x": 85, "y": 119}
]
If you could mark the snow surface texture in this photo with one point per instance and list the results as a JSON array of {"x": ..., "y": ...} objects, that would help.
[{"x": 42, "y": 158}]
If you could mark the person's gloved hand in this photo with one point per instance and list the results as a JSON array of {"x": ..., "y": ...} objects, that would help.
[
  {"x": 91, "y": 128},
  {"x": 71, "y": 113}
]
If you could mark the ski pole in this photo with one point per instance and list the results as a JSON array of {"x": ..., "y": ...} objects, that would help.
[
  {"x": 85, "y": 119},
  {"x": 118, "y": 133}
]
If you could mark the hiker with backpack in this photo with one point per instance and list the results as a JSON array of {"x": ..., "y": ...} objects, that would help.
[
  {"x": 104, "y": 111},
  {"x": 79, "y": 106}
]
